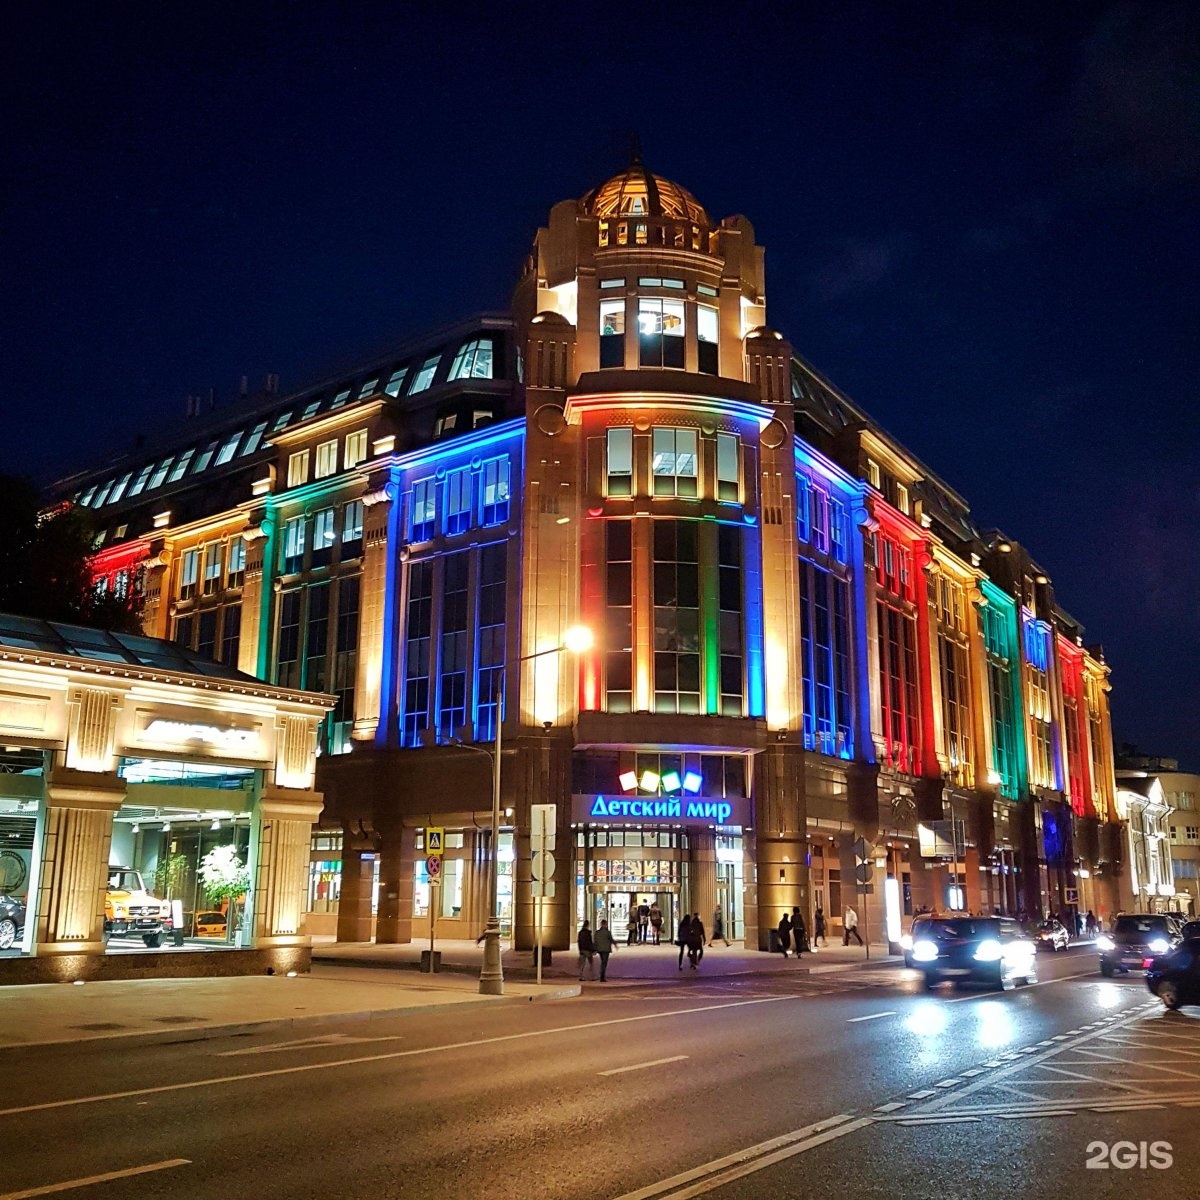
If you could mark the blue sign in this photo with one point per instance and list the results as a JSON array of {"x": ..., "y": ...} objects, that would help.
[{"x": 660, "y": 808}]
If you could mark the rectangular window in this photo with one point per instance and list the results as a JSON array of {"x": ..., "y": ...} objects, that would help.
[
  {"x": 423, "y": 379},
  {"x": 620, "y": 461},
  {"x": 731, "y": 638},
  {"x": 803, "y": 508},
  {"x": 452, "y": 656},
  {"x": 423, "y": 520},
  {"x": 327, "y": 453},
  {"x": 352, "y": 530},
  {"x": 345, "y": 665},
  {"x": 458, "y": 501},
  {"x": 231, "y": 634},
  {"x": 228, "y": 447},
  {"x": 839, "y": 531},
  {"x": 185, "y": 631},
  {"x": 160, "y": 473},
  {"x": 206, "y": 639},
  {"x": 473, "y": 360},
  {"x": 676, "y": 617},
  {"x": 660, "y": 332},
  {"x": 368, "y": 388},
  {"x": 618, "y": 630},
  {"x": 396, "y": 382},
  {"x": 703, "y": 289},
  {"x": 489, "y": 651},
  {"x": 611, "y": 283},
  {"x": 297, "y": 469},
  {"x": 287, "y": 657},
  {"x": 322, "y": 538},
  {"x": 119, "y": 488},
  {"x": 728, "y": 475},
  {"x": 188, "y": 574},
  {"x": 612, "y": 333},
  {"x": 902, "y": 502},
  {"x": 316, "y": 638},
  {"x": 180, "y": 467},
  {"x": 202, "y": 460},
  {"x": 874, "y": 478},
  {"x": 213, "y": 566},
  {"x": 310, "y": 409},
  {"x": 417, "y": 634},
  {"x": 235, "y": 575},
  {"x": 674, "y": 462},
  {"x": 139, "y": 483},
  {"x": 496, "y": 483},
  {"x": 707, "y": 336},
  {"x": 293, "y": 545},
  {"x": 254, "y": 440},
  {"x": 356, "y": 448},
  {"x": 340, "y": 399},
  {"x": 281, "y": 421}
]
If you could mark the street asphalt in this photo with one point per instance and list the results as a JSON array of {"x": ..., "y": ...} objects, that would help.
[{"x": 847, "y": 1085}]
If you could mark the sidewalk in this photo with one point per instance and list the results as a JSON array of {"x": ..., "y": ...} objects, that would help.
[
  {"x": 628, "y": 963},
  {"x": 156, "y": 1010}
]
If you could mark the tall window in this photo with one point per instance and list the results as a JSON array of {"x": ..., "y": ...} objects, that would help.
[
  {"x": 676, "y": 617},
  {"x": 949, "y": 601},
  {"x": 496, "y": 482},
  {"x": 423, "y": 520},
  {"x": 206, "y": 640},
  {"x": 188, "y": 574},
  {"x": 293, "y": 545},
  {"x": 490, "y": 621},
  {"x": 707, "y": 335},
  {"x": 473, "y": 360},
  {"x": 728, "y": 474},
  {"x": 231, "y": 634},
  {"x": 235, "y": 571},
  {"x": 618, "y": 629},
  {"x": 323, "y": 538},
  {"x": 352, "y": 530},
  {"x": 620, "y": 461},
  {"x": 452, "y": 657},
  {"x": 660, "y": 332},
  {"x": 213, "y": 564},
  {"x": 458, "y": 501},
  {"x": 731, "y": 626},
  {"x": 327, "y": 454},
  {"x": 612, "y": 333},
  {"x": 825, "y": 660},
  {"x": 297, "y": 469},
  {"x": 288, "y": 665},
  {"x": 316, "y": 640},
  {"x": 674, "y": 462},
  {"x": 998, "y": 647},
  {"x": 418, "y": 630},
  {"x": 356, "y": 448},
  {"x": 1073, "y": 732},
  {"x": 345, "y": 665}
]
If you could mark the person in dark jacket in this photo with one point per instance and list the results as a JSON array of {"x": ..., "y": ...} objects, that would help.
[
  {"x": 587, "y": 951},
  {"x": 784, "y": 929},
  {"x": 605, "y": 944},
  {"x": 799, "y": 932},
  {"x": 819, "y": 927},
  {"x": 682, "y": 936},
  {"x": 718, "y": 933},
  {"x": 695, "y": 940}
]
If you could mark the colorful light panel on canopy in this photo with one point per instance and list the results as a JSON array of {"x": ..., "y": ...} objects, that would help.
[
  {"x": 628, "y": 780},
  {"x": 691, "y": 781},
  {"x": 650, "y": 781},
  {"x": 671, "y": 781}
]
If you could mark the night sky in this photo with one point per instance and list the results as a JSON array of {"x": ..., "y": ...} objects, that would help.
[{"x": 981, "y": 222}]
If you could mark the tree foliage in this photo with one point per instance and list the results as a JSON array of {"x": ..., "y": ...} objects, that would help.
[{"x": 44, "y": 563}]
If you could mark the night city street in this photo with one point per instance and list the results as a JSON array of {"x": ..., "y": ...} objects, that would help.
[{"x": 772, "y": 1086}]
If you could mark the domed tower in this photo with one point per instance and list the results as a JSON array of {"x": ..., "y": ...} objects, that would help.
[{"x": 660, "y": 511}]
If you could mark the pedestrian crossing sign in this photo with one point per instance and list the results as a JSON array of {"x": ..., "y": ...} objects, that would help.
[{"x": 435, "y": 839}]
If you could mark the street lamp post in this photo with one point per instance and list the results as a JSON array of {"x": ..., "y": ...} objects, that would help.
[{"x": 491, "y": 974}]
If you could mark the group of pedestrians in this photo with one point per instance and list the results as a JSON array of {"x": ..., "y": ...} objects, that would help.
[
  {"x": 644, "y": 925},
  {"x": 592, "y": 945},
  {"x": 691, "y": 939}
]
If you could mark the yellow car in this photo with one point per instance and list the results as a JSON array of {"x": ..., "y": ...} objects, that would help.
[{"x": 209, "y": 924}]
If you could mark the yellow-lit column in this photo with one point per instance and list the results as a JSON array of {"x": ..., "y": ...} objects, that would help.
[
  {"x": 780, "y": 817},
  {"x": 281, "y": 835}
]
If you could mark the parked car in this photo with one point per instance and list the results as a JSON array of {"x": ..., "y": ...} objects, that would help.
[
  {"x": 1175, "y": 977},
  {"x": 131, "y": 911},
  {"x": 1135, "y": 940},
  {"x": 12, "y": 921},
  {"x": 1052, "y": 935},
  {"x": 209, "y": 924},
  {"x": 989, "y": 950}
]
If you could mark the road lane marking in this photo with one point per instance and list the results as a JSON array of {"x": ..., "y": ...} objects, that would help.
[
  {"x": 721, "y": 1171},
  {"x": 891, "y": 1107},
  {"x": 656, "y": 1062},
  {"x": 50, "y": 1188},
  {"x": 869, "y": 1017},
  {"x": 319, "y": 1042},
  {"x": 920, "y": 1095},
  {"x": 389, "y": 1056}
]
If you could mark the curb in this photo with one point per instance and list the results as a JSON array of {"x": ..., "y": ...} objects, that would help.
[{"x": 199, "y": 1033}]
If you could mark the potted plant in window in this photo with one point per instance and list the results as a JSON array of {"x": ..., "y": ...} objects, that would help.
[{"x": 225, "y": 878}]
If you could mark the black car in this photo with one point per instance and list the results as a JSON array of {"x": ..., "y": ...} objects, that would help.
[
  {"x": 1191, "y": 929},
  {"x": 12, "y": 921},
  {"x": 1134, "y": 941},
  {"x": 989, "y": 950},
  {"x": 1175, "y": 977}
]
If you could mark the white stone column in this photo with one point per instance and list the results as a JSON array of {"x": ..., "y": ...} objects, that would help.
[
  {"x": 74, "y": 836},
  {"x": 281, "y": 835}
]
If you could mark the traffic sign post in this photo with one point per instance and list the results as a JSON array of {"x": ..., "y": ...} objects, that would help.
[
  {"x": 433, "y": 868},
  {"x": 864, "y": 869},
  {"x": 543, "y": 820}
]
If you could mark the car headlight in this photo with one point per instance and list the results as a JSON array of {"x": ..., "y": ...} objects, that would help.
[
  {"x": 1160, "y": 946},
  {"x": 989, "y": 950},
  {"x": 924, "y": 951},
  {"x": 1104, "y": 942},
  {"x": 906, "y": 942}
]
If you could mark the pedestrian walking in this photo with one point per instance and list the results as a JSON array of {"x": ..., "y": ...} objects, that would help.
[
  {"x": 784, "y": 929},
  {"x": 656, "y": 923},
  {"x": 681, "y": 936},
  {"x": 850, "y": 927},
  {"x": 643, "y": 916},
  {"x": 605, "y": 944},
  {"x": 587, "y": 951},
  {"x": 799, "y": 932},
  {"x": 631, "y": 928},
  {"x": 695, "y": 941},
  {"x": 819, "y": 927},
  {"x": 1089, "y": 923},
  {"x": 718, "y": 932}
]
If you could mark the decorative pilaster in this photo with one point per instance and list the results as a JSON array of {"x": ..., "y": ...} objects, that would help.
[{"x": 282, "y": 835}]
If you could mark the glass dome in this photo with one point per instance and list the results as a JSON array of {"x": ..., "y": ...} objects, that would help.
[{"x": 637, "y": 192}]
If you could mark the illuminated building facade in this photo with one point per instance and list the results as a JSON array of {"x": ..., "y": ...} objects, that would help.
[{"x": 801, "y": 637}]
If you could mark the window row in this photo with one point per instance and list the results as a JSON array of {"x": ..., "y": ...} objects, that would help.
[
  {"x": 310, "y": 541},
  {"x": 674, "y": 463},
  {"x": 326, "y": 458},
  {"x": 211, "y": 568},
  {"x": 460, "y": 500},
  {"x": 661, "y": 325},
  {"x": 822, "y": 520}
]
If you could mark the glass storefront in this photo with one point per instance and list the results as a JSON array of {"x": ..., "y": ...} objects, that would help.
[{"x": 19, "y": 788}]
